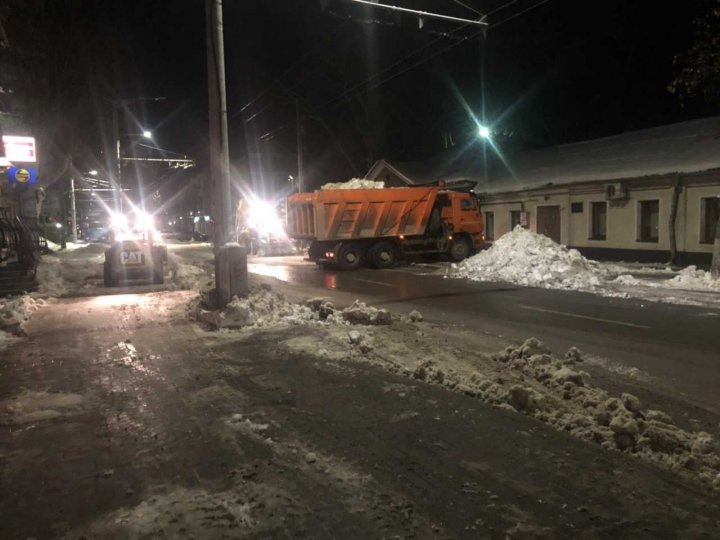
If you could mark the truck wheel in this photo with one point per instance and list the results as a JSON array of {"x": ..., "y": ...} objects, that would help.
[
  {"x": 349, "y": 256},
  {"x": 383, "y": 255},
  {"x": 460, "y": 249}
]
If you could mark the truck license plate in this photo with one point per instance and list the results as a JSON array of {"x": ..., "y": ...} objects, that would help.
[{"x": 131, "y": 258}]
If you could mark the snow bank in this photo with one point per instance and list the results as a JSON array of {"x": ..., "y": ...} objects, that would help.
[
  {"x": 15, "y": 312},
  {"x": 70, "y": 246},
  {"x": 264, "y": 308},
  {"x": 355, "y": 183},
  {"x": 528, "y": 379},
  {"x": 526, "y": 258},
  {"x": 64, "y": 272},
  {"x": 189, "y": 276},
  {"x": 533, "y": 260},
  {"x": 693, "y": 279}
]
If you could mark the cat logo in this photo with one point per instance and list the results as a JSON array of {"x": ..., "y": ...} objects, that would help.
[{"x": 131, "y": 257}]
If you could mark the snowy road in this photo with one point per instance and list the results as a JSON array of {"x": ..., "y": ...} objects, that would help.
[
  {"x": 669, "y": 351},
  {"x": 122, "y": 419}
]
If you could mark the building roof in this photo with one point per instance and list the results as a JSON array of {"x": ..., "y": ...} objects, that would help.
[{"x": 685, "y": 147}]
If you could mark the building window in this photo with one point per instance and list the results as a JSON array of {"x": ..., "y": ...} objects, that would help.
[
  {"x": 514, "y": 218},
  {"x": 598, "y": 221},
  {"x": 489, "y": 226},
  {"x": 649, "y": 221},
  {"x": 709, "y": 215},
  {"x": 576, "y": 208}
]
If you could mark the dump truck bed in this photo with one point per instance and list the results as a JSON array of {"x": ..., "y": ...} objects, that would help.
[{"x": 340, "y": 214}]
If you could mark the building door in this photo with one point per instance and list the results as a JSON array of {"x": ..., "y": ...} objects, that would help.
[{"x": 548, "y": 222}]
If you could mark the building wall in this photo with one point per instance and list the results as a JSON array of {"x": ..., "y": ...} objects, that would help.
[{"x": 623, "y": 217}]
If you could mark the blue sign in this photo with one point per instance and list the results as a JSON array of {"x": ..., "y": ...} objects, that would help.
[{"x": 20, "y": 175}]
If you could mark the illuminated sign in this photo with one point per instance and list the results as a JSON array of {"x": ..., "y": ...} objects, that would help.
[
  {"x": 22, "y": 176},
  {"x": 20, "y": 149}
]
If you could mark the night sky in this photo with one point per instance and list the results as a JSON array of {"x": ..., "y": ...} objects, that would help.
[{"x": 561, "y": 72}]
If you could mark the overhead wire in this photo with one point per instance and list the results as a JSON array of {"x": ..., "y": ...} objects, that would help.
[
  {"x": 358, "y": 89},
  {"x": 463, "y": 4},
  {"x": 359, "y": 86},
  {"x": 285, "y": 73}
]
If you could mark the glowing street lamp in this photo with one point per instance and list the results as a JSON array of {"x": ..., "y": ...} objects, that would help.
[
  {"x": 147, "y": 134},
  {"x": 484, "y": 132}
]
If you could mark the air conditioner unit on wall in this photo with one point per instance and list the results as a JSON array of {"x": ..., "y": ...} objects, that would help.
[{"x": 614, "y": 192}]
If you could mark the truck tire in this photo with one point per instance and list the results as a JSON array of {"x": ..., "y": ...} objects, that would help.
[
  {"x": 383, "y": 255},
  {"x": 349, "y": 256},
  {"x": 460, "y": 249}
]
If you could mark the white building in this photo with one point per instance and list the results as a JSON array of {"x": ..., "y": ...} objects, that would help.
[{"x": 637, "y": 196}]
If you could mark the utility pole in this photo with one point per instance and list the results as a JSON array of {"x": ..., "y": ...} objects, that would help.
[
  {"x": 73, "y": 210},
  {"x": 300, "y": 174},
  {"x": 230, "y": 259},
  {"x": 118, "y": 161},
  {"x": 116, "y": 137}
]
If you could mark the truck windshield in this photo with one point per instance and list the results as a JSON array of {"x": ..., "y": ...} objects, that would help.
[{"x": 468, "y": 204}]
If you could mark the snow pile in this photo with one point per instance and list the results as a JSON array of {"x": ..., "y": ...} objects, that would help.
[
  {"x": 69, "y": 246},
  {"x": 564, "y": 399},
  {"x": 64, "y": 272},
  {"x": 15, "y": 312},
  {"x": 526, "y": 258},
  {"x": 694, "y": 279},
  {"x": 49, "y": 277},
  {"x": 526, "y": 378},
  {"x": 361, "y": 313},
  {"x": 355, "y": 183},
  {"x": 189, "y": 276},
  {"x": 264, "y": 308}
]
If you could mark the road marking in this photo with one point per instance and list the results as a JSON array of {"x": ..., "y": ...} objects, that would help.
[
  {"x": 375, "y": 282},
  {"x": 609, "y": 321}
]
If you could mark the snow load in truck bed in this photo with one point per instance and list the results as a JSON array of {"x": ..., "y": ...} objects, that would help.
[
  {"x": 532, "y": 260},
  {"x": 355, "y": 183}
]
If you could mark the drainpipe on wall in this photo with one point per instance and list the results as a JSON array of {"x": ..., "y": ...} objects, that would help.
[
  {"x": 673, "y": 220},
  {"x": 715, "y": 266}
]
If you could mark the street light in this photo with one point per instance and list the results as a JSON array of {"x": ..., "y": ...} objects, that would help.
[
  {"x": 484, "y": 132},
  {"x": 116, "y": 133},
  {"x": 147, "y": 134}
]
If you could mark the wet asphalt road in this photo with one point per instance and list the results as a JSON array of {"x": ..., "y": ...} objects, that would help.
[{"x": 677, "y": 348}]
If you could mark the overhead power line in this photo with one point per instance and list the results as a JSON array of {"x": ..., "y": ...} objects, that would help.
[
  {"x": 363, "y": 87},
  {"x": 463, "y": 4},
  {"x": 426, "y": 14}
]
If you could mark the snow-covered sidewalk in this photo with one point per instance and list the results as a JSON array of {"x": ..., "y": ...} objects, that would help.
[{"x": 533, "y": 260}]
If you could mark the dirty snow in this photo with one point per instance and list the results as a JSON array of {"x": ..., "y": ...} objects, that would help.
[
  {"x": 355, "y": 183},
  {"x": 526, "y": 378},
  {"x": 534, "y": 260},
  {"x": 6, "y": 339},
  {"x": 69, "y": 246},
  {"x": 69, "y": 271},
  {"x": 16, "y": 311},
  {"x": 31, "y": 407},
  {"x": 189, "y": 276},
  {"x": 264, "y": 308}
]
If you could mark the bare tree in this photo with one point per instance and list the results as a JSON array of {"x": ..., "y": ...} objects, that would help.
[{"x": 697, "y": 75}]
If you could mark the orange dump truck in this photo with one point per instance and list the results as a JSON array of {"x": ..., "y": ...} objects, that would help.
[{"x": 351, "y": 227}]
